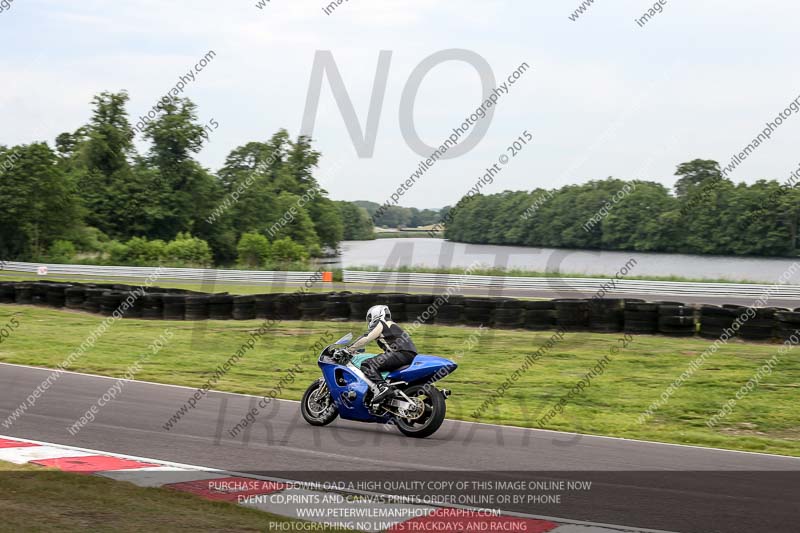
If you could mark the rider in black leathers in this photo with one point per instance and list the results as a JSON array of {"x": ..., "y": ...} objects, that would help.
[{"x": 398, "y": 349}]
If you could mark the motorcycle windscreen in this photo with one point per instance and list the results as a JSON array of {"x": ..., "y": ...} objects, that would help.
[{"x": 345, "y": 340}]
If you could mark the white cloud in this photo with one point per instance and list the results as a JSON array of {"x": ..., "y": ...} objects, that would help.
[{"x": 731, "y": 66}]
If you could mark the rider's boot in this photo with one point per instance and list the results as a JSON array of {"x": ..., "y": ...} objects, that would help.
[{"x": 383, "y": 391}]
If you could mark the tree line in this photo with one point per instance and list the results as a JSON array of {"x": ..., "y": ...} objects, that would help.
[
  {"x": 399, "y": 217},
  {"x": 706, "y": 213},
  {"x": 93, "y": 198}
]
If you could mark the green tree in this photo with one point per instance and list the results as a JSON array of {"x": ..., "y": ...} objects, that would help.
[
  {"x": 40, "y": 202},
  {"x": 285, "y": 250},
  {"x": 357, "y": 222},
  {"x": 698, "y": 173},
  {"x": 253, "y": 249},
  {"x": 99, "y": 155},
  {"x": 188, "y": 250}
]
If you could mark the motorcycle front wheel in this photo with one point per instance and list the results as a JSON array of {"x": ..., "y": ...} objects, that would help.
[
  {"x": 434, "y": 406},
  {"x": 317, "y": 405}
]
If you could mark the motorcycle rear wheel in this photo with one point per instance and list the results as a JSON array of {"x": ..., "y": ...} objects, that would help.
[
  {"x": 435, "y": 410},
  {"x": 318, "y": 412}
]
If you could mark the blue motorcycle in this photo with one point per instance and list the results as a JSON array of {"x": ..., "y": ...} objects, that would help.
[{"x": 417, "y": 407}]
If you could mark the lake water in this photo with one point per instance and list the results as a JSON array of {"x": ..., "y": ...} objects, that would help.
[{"x": 390, "y": 253}]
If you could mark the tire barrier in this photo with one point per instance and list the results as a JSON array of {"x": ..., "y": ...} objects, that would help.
[
  {"x": 714, "y": 320},
  {"x": 478, "y": 311},
  {"x": 676, "y": 319},
  {"x": 418, "y": 308},
  {"x": 152, "y": 306},
  {"x": 174, "y": 306},
  {"x": 787, "y": 323},
  {"x": 110, "y": 302},
  {"x": 640, "y": 317},
  {"x": 287, "y": 307},
  {"x": 265, "y": 306},
  {"x": 572, "y": 314},
  {"x": 244, "y": 307},
  {"x": 220, "y": 306},
  {"x": 93, "y": 300},
  {"x": 762, "y": 327},
  {"x": 39, "y": 293},
  {"x": 23, "y": 294},
  {"x": 312, "y": 306},
  {"x": 609, "y": 315},
  {"x": 74, "y": 297},
  {"x": 337, "y": 306},
  {"x": 197, "y": 307},
  {"x": 606, "y": 315},
  {"x": 508, "y": 314},
  {"x": 55, "y": 295},
  {"x": 360, "y": 303},
  {"x": 540, "y": 315},
  {"x": 7, "y": 293},
  {"x": 451, "y": 311}
]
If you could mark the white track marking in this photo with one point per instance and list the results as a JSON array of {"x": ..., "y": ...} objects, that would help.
[{"x": 227, "y": 473}]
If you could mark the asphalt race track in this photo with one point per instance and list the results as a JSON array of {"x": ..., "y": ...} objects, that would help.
[{"x": 639, "y": 484}]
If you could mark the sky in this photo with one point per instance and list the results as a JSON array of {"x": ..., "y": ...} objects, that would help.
[{"x": 603, "y": 96}]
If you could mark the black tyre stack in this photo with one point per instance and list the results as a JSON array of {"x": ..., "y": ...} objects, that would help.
[
  {"x": 265, "y": 305},
  {"x": 572, "y": 314},
  {"x": 508, "y": 314},
  {"x": 7, "y": 293},
  {"x": 174, "y": 306},
  {"x": 136, "y": 304},
  {"x": 337, "y": 306},
  {"x": 450, "y": 312},
  {"x": 540, "y": 315},
  {"x": 418, "y": 308},
  {"x": 23, "y": 293},
  {"x": 762, "y": 326},
  {"x": 478, "y": 311},
  {"x": 74, "y": 297},
  {"x": 197, "y": 307},
  {"x": 110, "y": 302},
  {"x": 244, "y": 307},
  {"x": 94, "y": 300},
  {"x": 640, "y": 317},
  {"x": 606, "y": 315},
  {"x": 153, "y": 306},
  {"x": 714, "y": 320},
  {"x": 55, "y": 294},
  {"x": 360, "y": 303},
  {"x": 787, "y": 324},
  {"x": 676, "y": 319},
  {"x": 220, "y": 306},
  {"x": 396, "y": 303},
  {"x": 287, "y": 307},
  {"x": 39, "y": 293},
  {"x": 312, "y": 306}
]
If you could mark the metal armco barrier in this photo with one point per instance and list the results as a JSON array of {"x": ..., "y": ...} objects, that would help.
[
  {"x": 584, "y": 285},
  {"x": 174, "y": 274}
]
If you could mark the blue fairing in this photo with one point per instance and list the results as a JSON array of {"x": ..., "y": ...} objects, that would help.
[
  {"x": 342, "y": 380},
  {"x": 424, "y": 368}
]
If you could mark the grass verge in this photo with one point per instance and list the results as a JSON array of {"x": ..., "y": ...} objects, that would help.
[
  {"x": 765, "y": 420},
  {"x": 232, "y": 288},
  {"x": 43, "y": 499}
]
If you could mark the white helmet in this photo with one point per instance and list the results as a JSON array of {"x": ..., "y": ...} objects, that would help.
[{"x": 377, "y": 313}]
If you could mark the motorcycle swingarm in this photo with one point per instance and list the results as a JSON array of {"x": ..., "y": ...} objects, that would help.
[{"x": 398, "y": 402}]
